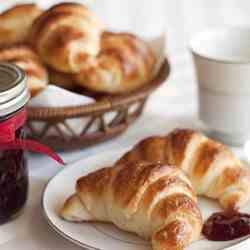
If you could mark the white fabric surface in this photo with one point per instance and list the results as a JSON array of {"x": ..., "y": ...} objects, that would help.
[{"x": 173, "y": 105}]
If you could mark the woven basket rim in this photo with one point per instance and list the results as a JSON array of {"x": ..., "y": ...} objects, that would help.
[{"x": 105, "y": 104}]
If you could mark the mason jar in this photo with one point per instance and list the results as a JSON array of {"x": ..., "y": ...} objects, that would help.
[{"x": 14, "y": 181}]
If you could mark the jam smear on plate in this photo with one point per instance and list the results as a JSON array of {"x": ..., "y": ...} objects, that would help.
[{"x": 224, "y": 226}]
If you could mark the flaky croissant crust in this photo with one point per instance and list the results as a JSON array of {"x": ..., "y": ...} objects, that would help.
[
  {"x": 155, "y": 201},
  {"x": 15, "y": 23},
  {"x": 124, "y": 63},
  {"x": 66, "y": 36},
  {"x": 211, "y": 166}
]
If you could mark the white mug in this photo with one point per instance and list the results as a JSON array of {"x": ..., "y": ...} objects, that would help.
[{"x": 222, "y": 61}]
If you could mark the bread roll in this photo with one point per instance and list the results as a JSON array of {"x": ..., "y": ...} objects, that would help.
[
  {"x": 67, "y": 36},
  {"x": 15, "y": 23},
  {"x": 213, "y": 169},
  {"x": 153, "y": 200},
  {"x": 124, "y": 64}
]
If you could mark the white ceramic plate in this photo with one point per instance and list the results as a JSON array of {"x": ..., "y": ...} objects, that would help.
[{"x": 96, "y": 236}]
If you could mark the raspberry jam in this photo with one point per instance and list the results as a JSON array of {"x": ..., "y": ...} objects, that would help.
[
  {"x": 226, "y": 226},
  {"x": 14, "y": 96},
  {"x": 13, "y": 181}
]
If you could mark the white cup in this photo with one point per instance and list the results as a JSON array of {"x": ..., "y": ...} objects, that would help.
[{"x": 222, "y": 60}]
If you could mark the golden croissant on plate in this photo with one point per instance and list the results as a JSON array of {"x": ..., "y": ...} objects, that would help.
[
  {"x": 15, "y": 23},
  {"x": 66, "y": 36},
  {"x": 27, "y": 60},
  {"x": 213, "y": 169},
  {"x": 153, "y": 200},
  {"x": 124, "y": 64}
]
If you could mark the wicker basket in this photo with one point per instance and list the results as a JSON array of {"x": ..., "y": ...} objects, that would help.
[{"x": 125, "y": 110}]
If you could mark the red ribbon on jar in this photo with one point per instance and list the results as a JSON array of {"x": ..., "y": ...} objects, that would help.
[{"x": 9, "y": 141}]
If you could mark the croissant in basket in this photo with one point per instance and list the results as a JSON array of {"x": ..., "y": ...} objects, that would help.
[
  {"x": 212, "y": 168},
  {"x": 27, "y": 60},
  {"x": 66, "y": 36},
  {"x": 155, "y": 201},
  {"x": 125, "y": 63},
  {"x": 15, "y": 23}
]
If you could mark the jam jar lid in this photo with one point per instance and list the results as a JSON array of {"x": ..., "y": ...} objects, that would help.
[{"x": 14, "y": 93}]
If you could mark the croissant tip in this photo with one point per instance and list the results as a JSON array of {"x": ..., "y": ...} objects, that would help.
[{"x": 73, "y": 210}]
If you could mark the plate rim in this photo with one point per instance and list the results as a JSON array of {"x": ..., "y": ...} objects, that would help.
[{"x": 54, "y": 227}]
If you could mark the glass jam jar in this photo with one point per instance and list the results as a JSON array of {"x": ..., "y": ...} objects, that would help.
[{"x": 13, "y": 165}]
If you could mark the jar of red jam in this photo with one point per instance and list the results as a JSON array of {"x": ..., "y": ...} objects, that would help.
[{"x": 13, "y": 165}]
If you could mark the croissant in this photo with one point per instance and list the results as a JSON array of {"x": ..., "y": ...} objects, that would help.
[
  {"x": 26, "y": 59},
  {"x": 124, "y": 64},
  {"x": 212, "y": 168},
  {"x": 15, "y": 23},
  {"x": 66, "y": 36},
  {"x": 153, "y": 200}
]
